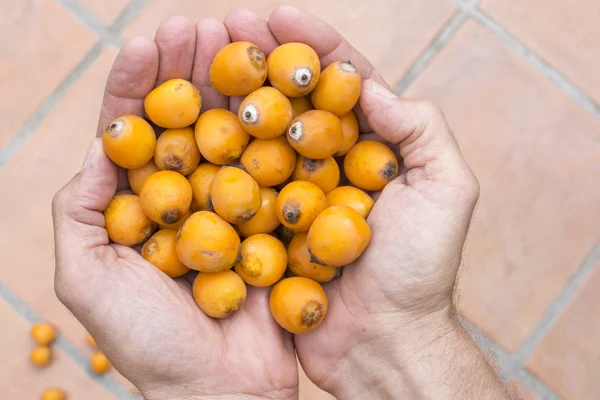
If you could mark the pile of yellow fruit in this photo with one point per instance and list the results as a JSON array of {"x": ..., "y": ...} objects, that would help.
[{"x": 268, "y": 174}]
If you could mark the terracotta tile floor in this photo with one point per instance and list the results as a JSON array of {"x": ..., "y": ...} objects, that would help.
[{"x": 519, "y": 84}]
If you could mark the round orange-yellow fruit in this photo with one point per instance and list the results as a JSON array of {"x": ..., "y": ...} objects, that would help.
[
  {"x": 370, "y": 165},
  {"x": 235, "y": 195},
  {"x": 166, "y": 197},
  {"x": 350, "y": 132},
  {"x": 324, "y": 173},
  {"x": 238, "y": 69},
  {"x": 315, "y": 134},
  {"x": 138, "y": 176},
  {"x": 338, "y": 89},
  {"x": 53, "y": 394},
  {"x": 176, "y": 150},
  {"x": 220, "y": 136},
  {"x": 43, "y": 333},
  {"x": 269, "y": 161},
  {"x": 201, "y": 182},
  {"x": 298, "y": 304},
  {"x": 337, "y": 237},
  {"x": 219, "y": 294},
  {"x": 300, "y": 265},
  {"x": 265, "y": 113},
  {"x": 265, "y": 220},
  {"x": 99, "y": 363},
  {"x": 294, "y": 69},
  {"x": 263, "y": 261},
  {"x": 129, "y": 141},
  {"x": 300, "y": 105},
  {"x": 207, "y": 243},
  {"x": 126, "y": 223},
  {"x": 41, "y": 356},
  {"x": 351, "y": 197},
  {"x": 91, "y": 340},
  {"x": 175, "y": 104},
  {"x": 160, "y": 251},
  {"x": 298, "y": 204}
]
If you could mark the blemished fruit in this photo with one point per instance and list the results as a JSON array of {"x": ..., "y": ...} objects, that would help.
[
  {"x": 53, "y": 394},
  {"x": 166, "y": 197},
  {"x": 337, "y": 237},
  {"x": 174, "y": 104},
  {"x": 207, "y": 243},
  {"x": 370, "y": 165},
  {"x": 298, "y": 204},
  {"x": 41, "y": 356},
  {"x": 265, "y": 220},
  {"x": 294, "y": 69},
  {"x": 176, "y": 150},
  {"x": 235, "y": 195},
  {"x": 300, "y": 265},
  {"x": 298, "y": 304},
  {"x": 269, "y": 161},
  {"x": 220, "y": 136},
  {"x": 91, "y": 340},
  {"x": 315, "y": 134},
  {"x": 126, "y": 222},
  {"x": 160, "y": 251},
  {"x": 300, "y": 105},
  {"x": 238, "y": 69},
  {"x": 219, "y": 294},
  {"x": 129, "y": 141},
  {"x": 176, "y": 225},
  {"x": 324, "y": 173},
  {"x": 138, "y": 176},
  {"x": 99, "y": 363},
  {"x": 351, "y": 197},
  {"x": 263, "y": 262},
  {"x": 201, "y": 182},
  {"x": 265, "y": 113},
  {"x": 43, "y": 333},
  {"x": 350, "y": 132},
  {"x": 338, "y": 89},
  {"x": 285, "y": 234}
]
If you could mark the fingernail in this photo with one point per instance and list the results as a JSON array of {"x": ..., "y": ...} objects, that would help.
[
  {"x": 382, "y": 91},
  {"x": 88, "y": 156}
]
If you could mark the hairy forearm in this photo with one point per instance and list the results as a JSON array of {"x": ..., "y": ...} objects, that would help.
[{"x": 425, "y": 362}]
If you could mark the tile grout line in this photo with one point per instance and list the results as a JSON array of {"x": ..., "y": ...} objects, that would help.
[
  {"x": 558, "y": 305},
  {"x": 507, "y": 363},
  {"x": 107, "y": 381},
  {"x": 454, "y": 23},
  {"x": 549, "y": 71},
  {"x": 85, "y": 16}
]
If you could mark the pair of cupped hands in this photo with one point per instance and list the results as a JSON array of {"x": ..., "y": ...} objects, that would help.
[{"x": 386, "y": 311}]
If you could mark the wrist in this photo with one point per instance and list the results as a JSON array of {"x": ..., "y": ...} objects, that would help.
[
  {"x": 183, "y": 392},
  {"x": 387, "y": 362}
]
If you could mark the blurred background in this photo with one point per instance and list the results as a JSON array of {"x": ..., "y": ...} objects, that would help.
[{"x": 518, "y": 80}]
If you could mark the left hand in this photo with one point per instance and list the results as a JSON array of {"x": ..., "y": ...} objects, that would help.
[{"x": 147, "y": 323}]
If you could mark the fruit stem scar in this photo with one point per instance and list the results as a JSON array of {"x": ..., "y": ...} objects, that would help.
[
  {"x": 302, "y": 77},
  {"x": 389, "y": 171},
  {"x": 295, "y": 131},
  {"x": 116, "y": 127},
  {"x": 250, "y": 114},
  {"x": 347, "y": 66},
  {"x": 312, "y": 313},
  {"x": 291, "y": 213},
  {"x": 312, "y": 165}
]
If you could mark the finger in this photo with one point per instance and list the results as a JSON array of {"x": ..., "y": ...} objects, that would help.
[
  {"x": 176, "y": 42},
  {"x": 244, "y": 25},
  {"x": 77, "y": 207},
  {"x": 132, "y": 76},
  {"x": 427, "y": 146},
  {"x": 211, "y": 36},
  {"x": 290, "y": 24}
]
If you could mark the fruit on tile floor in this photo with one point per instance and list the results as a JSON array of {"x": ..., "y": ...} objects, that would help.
[
  {"x": 41, "y": 356},
  {"x": 99, "y": 364},
  {"x": 43, "y": 333},
  {"x": 53, "y": 394}
]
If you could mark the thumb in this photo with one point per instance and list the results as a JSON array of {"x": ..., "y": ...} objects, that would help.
[
  {"x": 419, "y": 128},
  {"x": 77, "y": 207}
]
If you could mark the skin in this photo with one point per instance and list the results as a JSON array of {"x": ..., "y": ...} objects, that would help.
[{"x": 395, "y": 304}]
